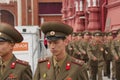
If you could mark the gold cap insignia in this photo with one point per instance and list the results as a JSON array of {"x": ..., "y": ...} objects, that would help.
[{"x": 52, "y": 33}]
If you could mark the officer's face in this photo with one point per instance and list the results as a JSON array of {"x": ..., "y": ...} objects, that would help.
[
  {"x": 87, "y": 36},
  {"x": 98, "y": 38},
  {"x": 79, "y": 37},
  {"x": 110, "y": 37},
  {"x": 74, "y": 37},
  {"x": 5, "y": 48},
  {"x": 57, "y": 47}
]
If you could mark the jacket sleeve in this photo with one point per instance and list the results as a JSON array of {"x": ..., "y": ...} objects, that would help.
[
  {"x": 83, "y": 75},
  {"x": 26, "y": 74}
]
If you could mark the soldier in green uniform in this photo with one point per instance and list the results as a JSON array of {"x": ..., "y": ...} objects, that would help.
[
  {"x": 77, "y": 53},
  {"x": 11, "y": 68},
  {"x": 83, "y": 45},
  {"x": 95, "y": 52},
  {"x": 60, "y": 66},
  {"x": 71, "y": 45},
  {"x": 80, "y": 36},
  {"x": 116, "y": 53},
  {"x": 108, "y": 54}
]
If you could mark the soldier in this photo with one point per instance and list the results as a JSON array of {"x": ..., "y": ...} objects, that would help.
[
  {"x": 80, "y": 36},
  {"x": 71, "y": 46},
  {"x": 116, "y": 53},
  {"x": 76, "y": 53},
  {"x": 83, "y": 45},
  {"x": 60, "y": 66},
  {"x": 95, "y": 52},
  {"x": 11, "y": 68},
  {"x": 108, "y": 53}
]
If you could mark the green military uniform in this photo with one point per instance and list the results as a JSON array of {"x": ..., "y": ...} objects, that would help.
[
  {"x": 76, "y": 52},
  {"x": 68, "y": 68},
  {"x": 16, "y": 70},
  {"x": 71, "y": 45},
  {"x": 116, "y": 53},
  {"x": 10, "y": 67},
  {"x": 75, "y": 71},
  {"x": 108, "y": 55},
  {"x": 83, "y": 46},
  {"x": 74, "y": 45},
  {"x": 95, "y": 52}
]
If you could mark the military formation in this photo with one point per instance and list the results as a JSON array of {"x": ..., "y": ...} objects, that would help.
[
  {"x": 75, "y": 55},
  {"x": 99, "y": 50}
]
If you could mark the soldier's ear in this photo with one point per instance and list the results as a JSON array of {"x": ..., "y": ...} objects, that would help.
[{"x": 66, "y": 41}]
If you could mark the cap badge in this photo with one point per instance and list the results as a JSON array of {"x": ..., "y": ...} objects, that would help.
[{"x": 52, "y": 33}]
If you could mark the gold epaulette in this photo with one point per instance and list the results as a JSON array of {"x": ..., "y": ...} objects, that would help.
[
  {"x": 77, "y": 61},
  {"x": 43, "y": 60},
  {"x": 22, "y": 62}
]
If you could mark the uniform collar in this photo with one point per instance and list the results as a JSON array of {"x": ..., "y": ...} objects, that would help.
[
  {"x": 60, "y": 62},
  {"x": 7, "y": 62}
]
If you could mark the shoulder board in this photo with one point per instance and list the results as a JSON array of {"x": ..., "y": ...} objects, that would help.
[
  {"x": 22, "y": 62},
  {"x": 77, "y": 61},
  {"x": 43, "y": 60}
]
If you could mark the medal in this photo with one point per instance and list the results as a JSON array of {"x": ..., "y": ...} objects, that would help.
[{"x": 44, "y": 75}]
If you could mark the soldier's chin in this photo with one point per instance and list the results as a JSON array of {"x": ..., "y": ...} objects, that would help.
[{"x": 54, "y": 54}]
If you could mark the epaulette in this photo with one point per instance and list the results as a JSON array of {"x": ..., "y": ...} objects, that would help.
[
  {"x": 77, "y": 61},
  {"x": 22, "y": 62},
  {"x": 43, "y": 59}
]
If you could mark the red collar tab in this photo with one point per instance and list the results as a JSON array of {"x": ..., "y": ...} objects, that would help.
[
  {"x": 48, "y": 65},
  {"x": 68, "y": 66},
  {"x": 12, "y": 66}
]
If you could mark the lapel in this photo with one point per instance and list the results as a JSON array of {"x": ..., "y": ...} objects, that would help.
[
  {"x": 50, "y": 71},
  {"x": 8, "y": 70},
  {"x": 64, "y": 73}
]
